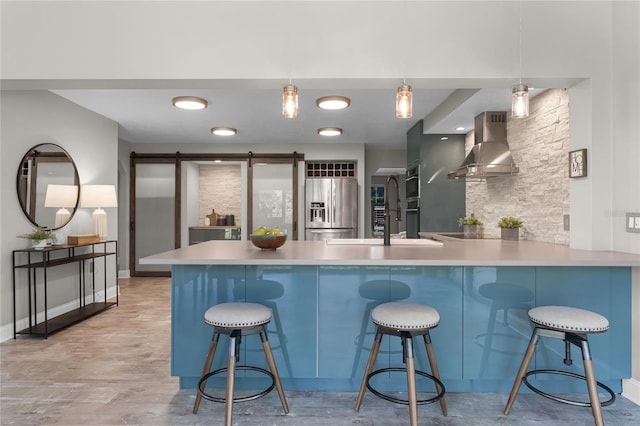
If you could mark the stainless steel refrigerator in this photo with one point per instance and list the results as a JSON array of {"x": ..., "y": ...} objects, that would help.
[{"x": 331, "y": 208}]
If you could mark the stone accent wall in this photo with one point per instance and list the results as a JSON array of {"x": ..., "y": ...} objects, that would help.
[
  {"x": 539, "y": 194},
  {"x": 220, "y": 190}
]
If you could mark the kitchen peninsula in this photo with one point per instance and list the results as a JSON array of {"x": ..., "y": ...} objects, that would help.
[{"x": 321, "y": 296}]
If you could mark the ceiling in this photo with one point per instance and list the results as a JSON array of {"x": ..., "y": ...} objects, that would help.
[{"x": 147, "y": 115}]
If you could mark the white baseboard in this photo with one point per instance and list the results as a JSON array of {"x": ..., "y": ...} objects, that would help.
[
  {"x": 124, "y": 274},
  {"x": 6, "y": 331},
  {"x": 631, "y": 390}
]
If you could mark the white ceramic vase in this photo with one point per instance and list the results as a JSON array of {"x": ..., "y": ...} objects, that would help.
[{"x": 38, "y": 244}]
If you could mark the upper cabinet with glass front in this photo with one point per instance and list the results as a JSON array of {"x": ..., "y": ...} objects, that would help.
[{"x": 48, "y": 186}]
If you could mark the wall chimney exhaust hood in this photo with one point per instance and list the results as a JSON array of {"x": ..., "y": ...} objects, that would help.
[{"x": 490, "y": 155}]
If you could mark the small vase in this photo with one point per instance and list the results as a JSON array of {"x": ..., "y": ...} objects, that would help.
[
  {"x": 510, "y": 234},
  {"x": 471, "y": 231},
  {"x": 38, "y": 244}
]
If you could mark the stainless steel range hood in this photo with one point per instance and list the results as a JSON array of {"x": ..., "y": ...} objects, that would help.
[{"x": 490, "y": 156}]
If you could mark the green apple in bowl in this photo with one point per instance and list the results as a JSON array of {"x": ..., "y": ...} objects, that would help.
[{"x": 260, "y": 231}]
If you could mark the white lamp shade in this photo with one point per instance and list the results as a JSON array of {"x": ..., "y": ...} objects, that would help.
[
  {"x": 98, "y": 196},
  {"x": 61, "y": 196}
]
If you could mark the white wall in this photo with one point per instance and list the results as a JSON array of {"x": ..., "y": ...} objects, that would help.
[{"x": 30, "y": 118}]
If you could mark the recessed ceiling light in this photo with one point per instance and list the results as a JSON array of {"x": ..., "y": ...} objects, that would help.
[
  {"x": 189, "y": 102},
  {"x": 444, "y": 138},
  {"x": 333, "y": 102},
  {"x": 223, "y": 131},
  {"x": 330, "y": 131},
  {"x": 459, "y": 128}
]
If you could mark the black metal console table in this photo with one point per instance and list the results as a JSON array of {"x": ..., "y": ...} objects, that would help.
[{"x": 63, "y": 254}]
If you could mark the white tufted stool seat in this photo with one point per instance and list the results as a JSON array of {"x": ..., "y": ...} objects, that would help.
[
  {"x": 237, "y": 315},
  {"x": 563, "y": 318},
  {"x": 405, "y": 320},
  {"x": 405, "y": 316},
  {"x": 237, "y": 319},
  {"x": 572, "y": 326}
]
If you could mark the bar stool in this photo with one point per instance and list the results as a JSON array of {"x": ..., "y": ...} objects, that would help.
[
  {"x": 571, "y": 325},
  {"x": 405, "y": 320},
  {"x": 237, "y": 319}
]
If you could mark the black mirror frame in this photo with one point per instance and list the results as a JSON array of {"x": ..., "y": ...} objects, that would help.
[{"x": 21, "y": 200}]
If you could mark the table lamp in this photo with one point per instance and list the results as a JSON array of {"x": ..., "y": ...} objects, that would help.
[
  {"x": 61, "y": 196},
  {"x": 99, "y": 196}
]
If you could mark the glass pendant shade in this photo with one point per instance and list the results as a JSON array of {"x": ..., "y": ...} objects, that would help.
[
  {"x": 520, "y": 101},
  {"x": 404, "y": 101},
  {"x": 290, "y": 101}
]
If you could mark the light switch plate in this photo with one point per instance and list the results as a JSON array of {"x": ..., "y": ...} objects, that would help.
[
  {"x": 633, "y": 222},
  {"x": 566, "y": 221}
]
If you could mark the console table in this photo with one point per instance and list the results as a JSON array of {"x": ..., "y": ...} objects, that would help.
[{"x": 57, "y": 255}]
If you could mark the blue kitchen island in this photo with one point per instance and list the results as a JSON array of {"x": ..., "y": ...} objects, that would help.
[{"x": 321, "y": 296}]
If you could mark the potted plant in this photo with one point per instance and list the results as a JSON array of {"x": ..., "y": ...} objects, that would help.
[
  {"x": 471, "y": 226},
  {"x": 509, "y": 228},
  {"x": 39, "y": 237}
]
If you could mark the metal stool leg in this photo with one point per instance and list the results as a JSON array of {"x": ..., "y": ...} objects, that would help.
[
  {"x": 281, "y": 337},
  {"x": 234, "y": 346},
  {"x": 207, "y": 366},
  {"x": 372, "y": 360},
  {"x": 407, "y": 344},
  {"x": 274, "y": 369},
  {"x": 592, "y": 386},
  {"x": 362, "y": 335},
  {"x": 434, "y": 369},
  {"x": 522, "y": 371}
]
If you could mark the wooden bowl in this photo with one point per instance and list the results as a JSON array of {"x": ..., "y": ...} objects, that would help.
[{"x": 268, "y": 242}]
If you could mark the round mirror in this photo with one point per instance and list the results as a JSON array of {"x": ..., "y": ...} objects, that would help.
[{"x": 48, "y": 186}]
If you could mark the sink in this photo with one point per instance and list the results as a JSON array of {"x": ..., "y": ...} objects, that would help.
[{"x": 379, "y": 241}]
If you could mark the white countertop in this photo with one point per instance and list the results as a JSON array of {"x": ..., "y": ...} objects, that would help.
[{"x": 461, "y": 252}]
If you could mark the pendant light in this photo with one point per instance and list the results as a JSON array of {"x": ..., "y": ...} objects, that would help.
[
  {"x": 520, "y": 101},
  {"x": 404, "y": 101},
  {"x": 520, "y": 92},
  {"x": 289, "y": 101}
]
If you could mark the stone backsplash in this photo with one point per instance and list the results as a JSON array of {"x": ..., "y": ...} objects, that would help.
[
  {"x": 539, "y": 193},
  {"x": 220, "y": 189}
]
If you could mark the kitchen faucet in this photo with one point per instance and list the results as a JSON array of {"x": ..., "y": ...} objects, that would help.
[{"x": 387, "y": 231}]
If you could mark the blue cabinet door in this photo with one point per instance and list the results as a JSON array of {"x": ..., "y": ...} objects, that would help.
[
  {"x": 347, "y": 294},
  {"x": 496, "y": 324},
  {"x": 291, "y": 293},
  {"x": 441, "y": 288}
]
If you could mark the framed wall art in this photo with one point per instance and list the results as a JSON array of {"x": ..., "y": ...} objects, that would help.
[{"x": 578, "y": 163}]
